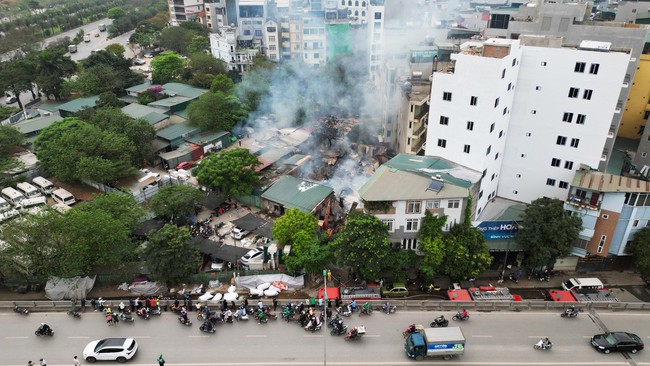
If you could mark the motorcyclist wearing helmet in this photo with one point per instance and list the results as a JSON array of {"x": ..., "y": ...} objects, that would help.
[
  {"x": 44, "y": 328},
  {"x": 411, "y": 328},
  {"x": 354, "y": 332},
  {"x": 543, "y": 343},
  {"x": 464, "y": 313},
  {"x": 353, "y": 305},
  {"x": 260, "y": 315},
  {"x": 386, "y": 306},
  {"x": 366, "y": 308},
  {"x": 184, "y": 314}
]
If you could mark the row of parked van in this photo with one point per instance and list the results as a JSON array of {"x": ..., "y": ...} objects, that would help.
[{"x": 26, "y": 194}]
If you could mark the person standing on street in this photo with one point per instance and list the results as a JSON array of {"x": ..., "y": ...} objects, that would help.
[
  {"x": 75, "y": 361},
  {"x": 161, "y": 360},
  {"x": 275, "y": 304}
]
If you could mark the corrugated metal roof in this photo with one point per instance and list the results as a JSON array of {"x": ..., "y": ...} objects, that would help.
[
  {"x": 605, "y": 182},
  {"x": 78, "y": 104},
  {"x": 175, "y": 131},
  {"x": 149, "y": 114},
  {"x": 170, "y": 102},
  {"x": 140, "y": 87},
  {"x": 36, "y": 124},
  {"x": 292, "y": 192},
  {"x": 205, "y": 138},
  {"x": 183, "y": 90}
]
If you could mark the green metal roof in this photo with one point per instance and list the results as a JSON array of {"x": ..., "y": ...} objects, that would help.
[
  {"x": 206, "y": 138},
  {"x": 140, "y": 87},
  {"x": 170, "y": 102},
  {"x": 175, "y": 131},
  {"x": 36, "y": 124},
  {"x": 182, "y": 113},
  {"x": 184, "y": 90},
  {"x": 513, "y": 213},
  {"x": 149, "y": 114},
  {"x": 78, "y": 104},
  {"x": 50, "y": 105},
  {"x": 430, "y": 165},
  {"x": 292, "y": 192}
]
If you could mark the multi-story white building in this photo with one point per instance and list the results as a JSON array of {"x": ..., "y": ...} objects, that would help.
[
  {"x": 215, "y": 14},
  {"x": 375, "y": 21},
  {"x": 223, "y": 46},
  {"x": 251, "y": 16},
  {"x": 271, "y": 40},
  {"x": 402, "y": 189},
  {"x": 185, "y": 10},
  {"x": 526, "y": 112}
]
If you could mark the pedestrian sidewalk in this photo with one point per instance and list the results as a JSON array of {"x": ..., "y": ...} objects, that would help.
[{"x": 609, "y": 279}]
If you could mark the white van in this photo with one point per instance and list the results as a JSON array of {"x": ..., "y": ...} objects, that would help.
[
  {"x": 12, "y": 196},
  {"x": 63, "y": 196},
  {"x": 4, "y": 205},
  {"x": 28, "y": 190},
  {"x": 582, "y": 284},
  {"x": 44, "y": 185}
]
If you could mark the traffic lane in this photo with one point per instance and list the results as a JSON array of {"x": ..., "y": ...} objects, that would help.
[
  {"x": 88, "y": 28},
  {"x": 84, "y": 49},
  {"x": 632, "y": 322}
]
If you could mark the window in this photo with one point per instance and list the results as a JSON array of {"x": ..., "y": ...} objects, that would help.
[
  {"x": 496, "y": 156},
  {"x": 503, "y": 73},
  {"x": 412, "y": 224},
  {"x": 271, "y": 38},
  {"x": 388, "y": 223},
  {"x": 533, "y": 112},
  {"x": 377, "y": 15},
  {"x": 453, "y": 204},
  {"x": 491, "y": 128},
  {"x": 473, "y": 100},
  {"x": 528, "y": 134},
  {"x": 580, "y": 67},
  {"x": 538, "y": 87},
  {"x": 635, "y": 223},
  {"x": 517, "y": 175},
  {"x": 442, "y": 143},
  {"x": 466, "y": 149},
  {"x": 505, "y": 110},
  {"x": 550, "y": 182},
  {"x": 494, "y": 175},
  {"x": 568, "y": 165},
  {"x": 500, "y": 133},
  {"x": 496, "y": 102},
  {"x": 409, "y": 244},
  {"x": 446, "y": 96},
  {"x": 413, "y": 207},
  {"x": 487, "y": 152},
  {"x": 568, "y": 117},
  {"x": 605, "y": 216},
  {"x": 509, "y": 86},
  {"x": 543, "y": 64},
  {"x": 514, "y": 62},
  {"x": 593, "y": 69},
  {"x": 573, "y": 92},
  {"x": 515, "y": 192},
  {"x": 563, "y": 185},
  {"x": 484, "y": 173},
  {"x": 561, "y": 140},
  {"x": 470, "y": 125},
  {"x": 431, "y": 204},
  {"x": 480, "y": 194},
  {"x": 444, "y": 120},
  {"x": 575, "y": 142},
  {"x": 587, "y": 94},
  {"x": 580, "y": 120},
  {"x": 601, "y": 243},
  {"x": 523, "y": 155},
  {"x": 555, "y": 162}
]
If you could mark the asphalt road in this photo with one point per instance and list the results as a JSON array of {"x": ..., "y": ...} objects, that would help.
[{"x": 500, "y": 338}]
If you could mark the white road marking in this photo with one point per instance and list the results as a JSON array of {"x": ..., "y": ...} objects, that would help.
[
  {"x": 79, "y": 337},
  {"x": 482, "y": 336},
  {"x": 16, "y": 337},
  {"x": 313, "y": 336},
  {"x": 372, "y": 335},
  {"x": 407, "y": 363},
  {"x": 256, "y": 336},
  {"x": 198, "y": 336}
]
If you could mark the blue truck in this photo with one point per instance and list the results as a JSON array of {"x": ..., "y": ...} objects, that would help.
[{"x": 435, "y": 342}]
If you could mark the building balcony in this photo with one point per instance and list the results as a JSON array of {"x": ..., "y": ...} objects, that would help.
[
  {"x": 417, "y": 144},
  {"x": 577, "y": 204},
  {"x": 419, "y": 131}
]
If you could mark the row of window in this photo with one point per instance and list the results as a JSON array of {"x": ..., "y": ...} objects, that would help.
[
  {"x": 561, "y": 140},
  {"x": 551, "y": 182},
  {"x": 555, "y": 162},
  {"x": 473, "y": 100},
  {"x": 586, "y": 94},
  {"x": 444, "y": 120},
  {"x": 415, "y": 207},
  {"x": 356, "y": 3},
  {"x": 637, "y": 199},
  {"x": 581, "y": 66},
  {"x": 568, "y": 117}
]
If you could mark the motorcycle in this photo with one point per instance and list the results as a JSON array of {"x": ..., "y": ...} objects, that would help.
[
  {"x": 126, "y": 317},
  {"x": 513, "y": 278},
  {"x": 334, "y": 321},
  {"x": 543, "y": 346},
  {"x": 241, "y": 314},
  {"x": 142, "y": 313},
  {"x": 460, "y": 317},
  {"x": 388, "y": 309},
  {"x": 19, "y": 310},
  {"x": 75, "y": 313},
  {"x": 365, "y": 311},
  {"x": 439, "y": 322},
  {"x": 155, "y": 311},
  {"x": 345, "y": 310},
  {"x": 569, "y": 313},
  {"x": 313, "y": 325},
  {"x": 187, "y": 322},
  {"x": 44, "y": 332},
  {"x": 263, "y": 319},
  {"x": 336, "y": 331},
  {"x": 355, "y": 333},
  {"x": 411, "y": 330},
  {"x": 207, "y": 327}
]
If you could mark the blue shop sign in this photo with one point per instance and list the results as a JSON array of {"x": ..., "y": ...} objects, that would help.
[{"x": 498, "y": 230}]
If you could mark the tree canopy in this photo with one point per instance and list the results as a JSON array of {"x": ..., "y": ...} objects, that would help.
[
  {"x": 175, "y": 201},
  {"x": 293, "y": 222},
  {"x": 170, "y": 257},
  {"x": 232, "y": 171},
  {"x": 167, "y": 66},
  {"x": 52, "y": 67},
  {"x": 363, "y": 245},
  {"x": 222, "y": 83},
  {"x": 547, "y": 232},
  {"x": 640, "y": 249},
  {"x": 216, "y": 111},
  {"x": 115, "y": 13},
  {"x": 432, "y": 244}
]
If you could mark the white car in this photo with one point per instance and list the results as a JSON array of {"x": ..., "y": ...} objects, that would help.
[
  {"x": 11, "y": 100},
  {"x": 217, "y": 265},
  {"x": 139, "y": 61},
  {"x": 238, "y": 233},
  {"x": 110, "y": 349},
  {"x": 252, "y": 254}
]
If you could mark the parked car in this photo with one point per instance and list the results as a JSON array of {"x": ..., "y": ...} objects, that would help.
[
  {"x": 11, "y": 100},
  {"x": 398, "y": 290},
  {"x": 139, "y": 61},
  {"x": 217, "y": 265},
  {"x": 251, "y": 255},
  {"x": 617, "y": 342},
  {"x": 238, "y": 233},
  {"x": 148, "y": 55},
  {"x": 185, "y": 165},
  {"x": 110, "y": 349}
]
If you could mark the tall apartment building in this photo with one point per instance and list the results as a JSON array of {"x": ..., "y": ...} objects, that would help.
[
  {"x": 251, "y": 16},
  {"x": 572, "y": 22},
  {"x": 526, "y": 112},
  {"x": 185, "y": 11},
  {"x": 215, "y": 15}
]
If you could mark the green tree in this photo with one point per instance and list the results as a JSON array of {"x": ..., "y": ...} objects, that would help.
[
  {"x": 233, "y": 171},
  {"x": 308, "y": 254},
  {"x": 640, "y": 249},
  {"x": 10, "y": 138},
  {"x": 170, "y": 257},
  {"x": 223, "y": 84},
  {"x": 108, "y": 99},
  {"x": 176, "y": 39},
  {"x": 52, "y": 67},
  {"x": 119, "y": 205},
  {"x": 206, "y": 63},
  {"x": 116, "y": 49},
  {"x": 176, "y": 201},
  {"x": 6, "y": 112},
  {"x": 115, "y": 13},
  {"x": 72, "y": 150},
  {"x": 147, "y": 35},
  {"x": 293, "y": 222},
  {"x": 198, "y": 44},
  {"x": 16, "y": 76},
  {"x": 167, "y": 66},
  {"x": 432, "y": 244},
  {"x": 547, "y": 232},
  {"x": 216, "y": 112},
  {"x": 363, "y": 245}
]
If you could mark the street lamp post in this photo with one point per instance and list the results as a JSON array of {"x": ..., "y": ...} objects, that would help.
[{"x": 325, "y": 299}]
